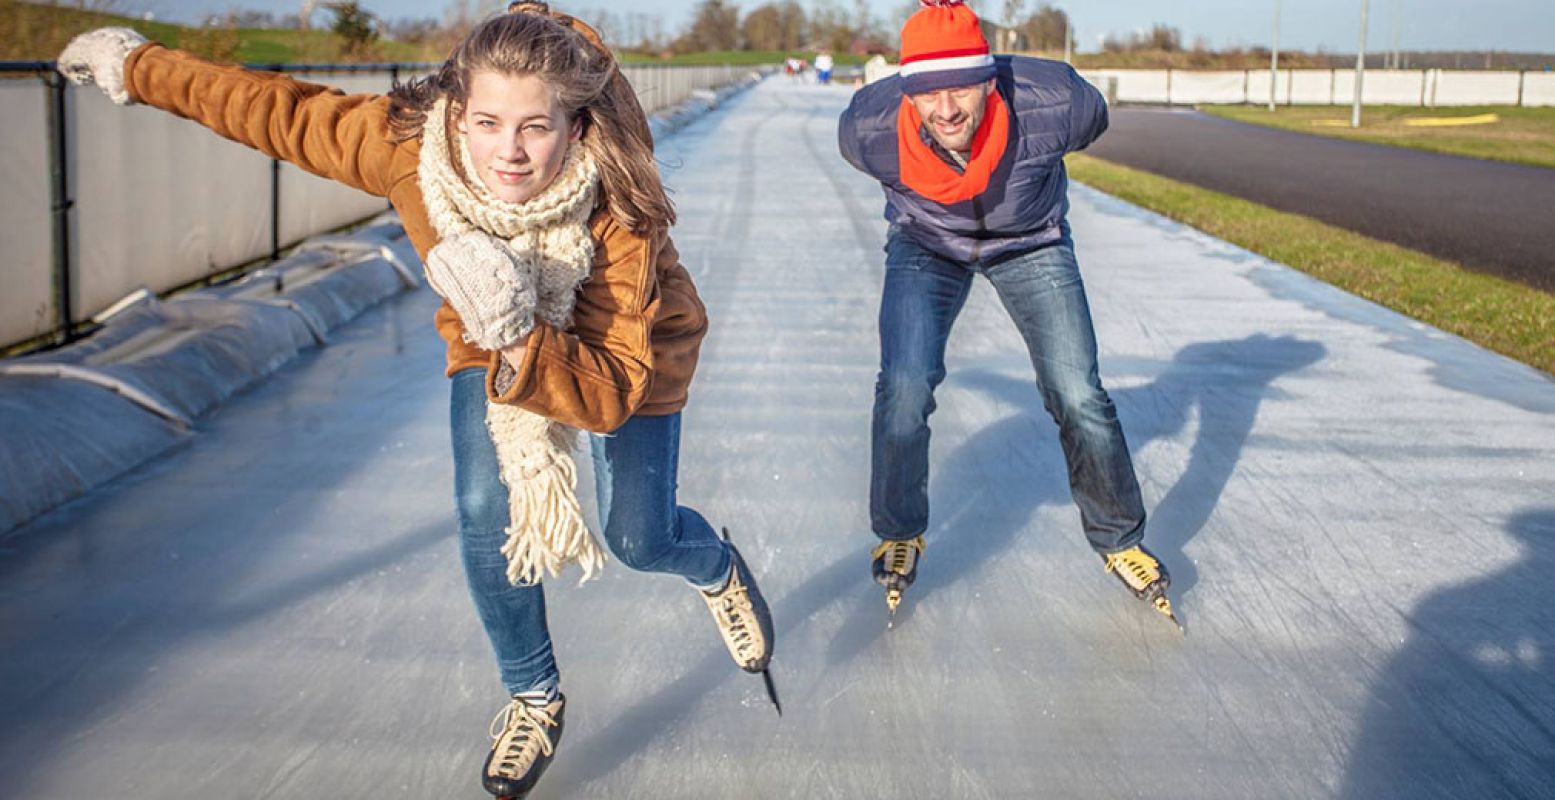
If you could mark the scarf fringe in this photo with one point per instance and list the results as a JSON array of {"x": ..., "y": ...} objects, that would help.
[{"x": 546, "y": 530}]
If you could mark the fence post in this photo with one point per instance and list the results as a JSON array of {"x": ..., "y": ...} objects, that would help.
[
  {"x": 275, "y": 190},
  {"x": 275, "y": 209},
  {"x": 60, "y": 203},
  {"x": 1522, "y": 81}
]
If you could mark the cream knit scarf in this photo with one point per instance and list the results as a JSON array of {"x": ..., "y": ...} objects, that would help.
[{"x": 548, "y": 234}]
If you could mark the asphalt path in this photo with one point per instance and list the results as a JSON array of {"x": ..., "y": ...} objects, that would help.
[{"x": 1488, "y": 216}]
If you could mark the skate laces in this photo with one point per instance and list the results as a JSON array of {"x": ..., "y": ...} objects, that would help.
[
  {"x": 735, "y": 614},
  {"x": 521, "y": 733},
  {"x": 900, "y": 554},
  {"x": 1136, "y": 567}
]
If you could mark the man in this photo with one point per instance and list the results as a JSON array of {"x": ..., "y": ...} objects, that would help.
[{"x": 969, "y": 149}]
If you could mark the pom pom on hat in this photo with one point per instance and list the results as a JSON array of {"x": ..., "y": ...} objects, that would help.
[{"x": 943, "y": 47}]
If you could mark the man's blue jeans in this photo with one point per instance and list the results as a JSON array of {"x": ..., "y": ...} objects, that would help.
[
  {"x": 635, "y": 473},
  {"x": 1043, "y": 293}
]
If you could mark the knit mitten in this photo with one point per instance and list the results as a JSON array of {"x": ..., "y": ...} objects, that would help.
[
  {"x": 492, "y": 292},
  {"x": 99, "y": 56}
]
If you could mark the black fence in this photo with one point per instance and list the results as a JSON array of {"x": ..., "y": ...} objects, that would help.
[{"x": 66, "y": 328}]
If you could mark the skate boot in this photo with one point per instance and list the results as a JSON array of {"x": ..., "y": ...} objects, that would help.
[
  {"x": 524, "y": 734},
  {"x": 895, "y": 568},
  {"x": 1144, "y": 576},
  {"x": 744, "y": 620}
]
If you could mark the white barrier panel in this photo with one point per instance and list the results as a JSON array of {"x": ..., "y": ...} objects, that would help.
[
  {"x": 310, "y": 204},
  {"x": 1311, "y": 87},
  {"x": 160, "y": 201},
  {"x": 1394, "y": 87},
  {"x": 659, "y": 88},
  {"x": 1208, "y": 87},
  {"x": 26, "y": 263},
  {"x": 1344, "y": 87},
  {"x": 1476, "y": 88},
  {"x": 1258, "y": 87},
  {"x": 1139, "y": 85},
  {"x": 1539, "y": 89}
]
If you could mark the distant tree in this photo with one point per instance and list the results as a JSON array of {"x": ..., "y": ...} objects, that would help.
[
  {"x": 1164, "y": 38},
  {"x": 356, "y": 27},
  {"x": 791, "y": 19},
  {"x": 760, "y": 31},
  {"x": 715, "y": 25},
  {"x": 1045, "y": 28},
  {"x": 1160, "y": 38},
  {"x": 774, "y": 26},
  {"x": 830, "y": 27}
]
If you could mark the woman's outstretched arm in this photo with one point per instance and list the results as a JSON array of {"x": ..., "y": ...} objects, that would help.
[{"x": 318, "y": 128}]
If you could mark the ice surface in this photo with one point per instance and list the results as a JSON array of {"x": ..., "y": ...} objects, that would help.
[{"x": 1359, "y": 513}]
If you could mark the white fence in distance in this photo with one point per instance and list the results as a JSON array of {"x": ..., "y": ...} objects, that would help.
[
  {"x": 160, "y": 202},
  {"x": 1409, "y": 87}
]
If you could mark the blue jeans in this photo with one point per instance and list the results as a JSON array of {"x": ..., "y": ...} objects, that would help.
[
  {"x": 634, "y": 469},
  {"x": 1042, "y": 292}
]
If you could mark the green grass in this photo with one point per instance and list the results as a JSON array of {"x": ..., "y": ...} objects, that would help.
[
  {"x": 35, "y": 32},
  {"x": 1500, "y": 315},
  {"x": 38, "y": 32},
  {"x": 1522, "y": 135}
]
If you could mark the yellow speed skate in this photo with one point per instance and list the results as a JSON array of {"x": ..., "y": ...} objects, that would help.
[
  {"x": 895, "y": 568},
  {"x": 1143, "y": 574}
]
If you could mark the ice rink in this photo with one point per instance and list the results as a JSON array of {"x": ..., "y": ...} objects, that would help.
[{"x": 1358, "y": 512}]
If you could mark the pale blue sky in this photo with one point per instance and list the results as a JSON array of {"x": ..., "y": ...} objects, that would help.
[{"x": 1515, "y": 25}]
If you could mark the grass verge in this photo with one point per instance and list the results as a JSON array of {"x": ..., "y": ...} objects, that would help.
[
  {"x": 1509, "y": 318},
  {"x": 1519, "y": 135}
]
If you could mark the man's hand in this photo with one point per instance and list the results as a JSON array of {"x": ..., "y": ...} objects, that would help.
[
  {"x": 478, "y": 276},
  {"x": 98, "y": 56}
]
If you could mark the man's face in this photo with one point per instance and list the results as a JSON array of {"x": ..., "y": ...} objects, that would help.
[{"x": 953, "y": 115}]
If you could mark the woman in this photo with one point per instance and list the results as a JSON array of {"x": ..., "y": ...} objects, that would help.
[{"x": 523, "y": 173}]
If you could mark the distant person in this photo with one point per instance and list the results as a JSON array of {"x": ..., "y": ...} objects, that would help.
[
  {"x": 793, "y": 66},
  {"x": 823, "y": 67},
  {"x": 969, "y": 149},
  {"x": 524, "y": 174}
]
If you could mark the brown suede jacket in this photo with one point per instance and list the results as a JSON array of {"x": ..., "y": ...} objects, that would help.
[{"x": 638, "y": 324}]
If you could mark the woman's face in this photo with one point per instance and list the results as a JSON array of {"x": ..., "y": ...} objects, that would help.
[{"x": 518, "y": 133}]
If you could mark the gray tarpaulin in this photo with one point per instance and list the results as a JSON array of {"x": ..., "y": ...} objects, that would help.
[{"x": 80, "y": 415}]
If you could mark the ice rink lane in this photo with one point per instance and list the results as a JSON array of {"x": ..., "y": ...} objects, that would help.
[{"x": 1359, "y": 512}]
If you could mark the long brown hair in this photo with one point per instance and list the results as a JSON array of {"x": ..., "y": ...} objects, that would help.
[{"x": 569, "y": 56}]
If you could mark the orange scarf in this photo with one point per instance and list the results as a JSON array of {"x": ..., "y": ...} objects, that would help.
[{"x": 926, "y": 173}]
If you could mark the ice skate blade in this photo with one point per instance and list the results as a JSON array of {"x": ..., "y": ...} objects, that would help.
[
  {"x": 766, "y": 677},
  {"x": 893, "y": 598},
  {"x": 1164, "y": 606}
]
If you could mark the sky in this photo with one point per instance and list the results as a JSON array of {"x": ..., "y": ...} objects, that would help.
[{"x": 1332, "y": 25}]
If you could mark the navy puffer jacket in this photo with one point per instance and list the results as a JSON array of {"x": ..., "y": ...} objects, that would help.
[{"x": 1053, "y": 111}]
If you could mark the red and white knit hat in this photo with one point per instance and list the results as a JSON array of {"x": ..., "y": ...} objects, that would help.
[{"x": 943, "y": 47}]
